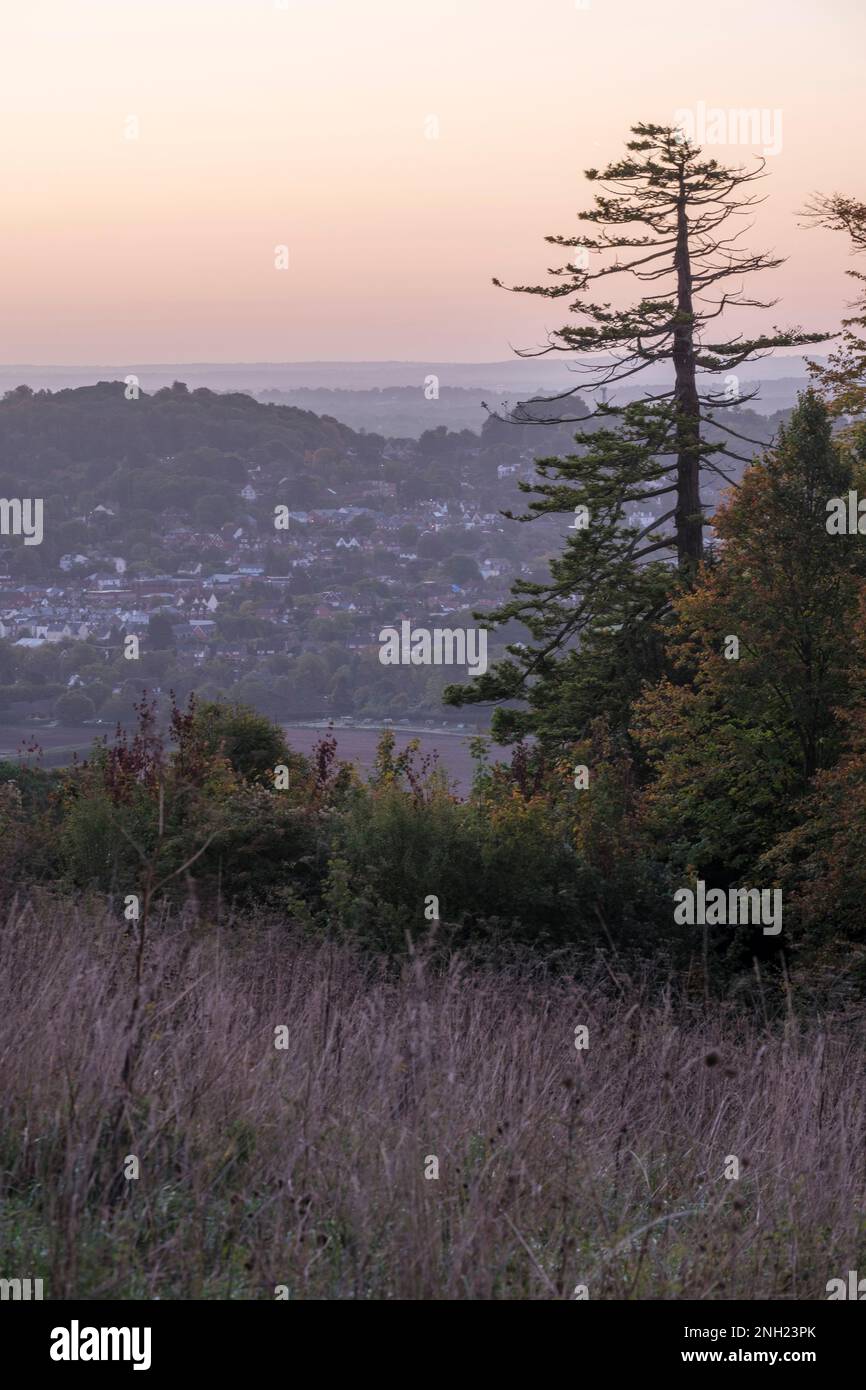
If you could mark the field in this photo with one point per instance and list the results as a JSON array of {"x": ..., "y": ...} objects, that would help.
[
  {"x": 353, "y": 745},
  {"x": 236, "y": 1112},
  {"x": 359, "y": 746}
]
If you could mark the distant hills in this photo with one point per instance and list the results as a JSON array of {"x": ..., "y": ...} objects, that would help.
[
  {"x": 390, "y": 397},
  {"x": 525, "y": 374}
]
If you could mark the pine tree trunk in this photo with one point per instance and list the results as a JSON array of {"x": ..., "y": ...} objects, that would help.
[{"x": 689, "y": 515}]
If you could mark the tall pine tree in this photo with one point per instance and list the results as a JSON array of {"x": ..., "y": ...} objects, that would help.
[{"x": 667, "y": 218}]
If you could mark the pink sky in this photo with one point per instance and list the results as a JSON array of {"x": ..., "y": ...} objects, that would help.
[{"x": 307, "y": 126}]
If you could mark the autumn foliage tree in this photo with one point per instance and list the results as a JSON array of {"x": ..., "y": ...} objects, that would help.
[
  {"x": 819, "y": 860},
  {"x": 764, "y": 651}
]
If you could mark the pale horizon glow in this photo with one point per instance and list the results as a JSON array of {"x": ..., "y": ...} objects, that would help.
[{"x": 305, "y": 127}]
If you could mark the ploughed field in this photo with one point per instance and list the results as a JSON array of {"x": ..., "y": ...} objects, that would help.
[{"x": 59, "y": 744}]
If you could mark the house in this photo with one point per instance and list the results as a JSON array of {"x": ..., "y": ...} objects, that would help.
[
  {"x": 199, "y": 606},
  {"x": 196, "y": 630}
]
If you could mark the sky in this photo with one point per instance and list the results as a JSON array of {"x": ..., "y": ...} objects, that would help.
[{"x": 155, "y": 153}]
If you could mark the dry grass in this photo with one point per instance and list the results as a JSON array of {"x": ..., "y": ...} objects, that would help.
[{"x": 305, "y": 1167}]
